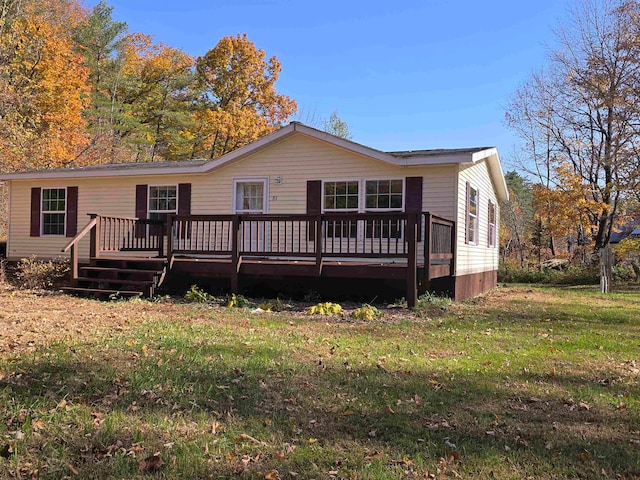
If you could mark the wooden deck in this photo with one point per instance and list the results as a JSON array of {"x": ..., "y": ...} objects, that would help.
[{"x": 403, "y": 246}]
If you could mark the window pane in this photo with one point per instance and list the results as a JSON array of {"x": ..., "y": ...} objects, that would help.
[
  {"x": 250, "y": 196},
  {"x": 341, "y": 195},
  {"x": 53, "y": 224},
  {"x": 396, "y": 201}
]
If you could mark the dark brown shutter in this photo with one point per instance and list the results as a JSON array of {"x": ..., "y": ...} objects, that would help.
[
  {"x": 466, "y": 215},
  {"x": 35, "y": 211},
  {"x": 413, "y": 200},
  {"x": 314, "y": 204},
  {"x": 141, "y": 208},
  {"x": 72, "y": 211},
  {"x": 184, "y": 199}
]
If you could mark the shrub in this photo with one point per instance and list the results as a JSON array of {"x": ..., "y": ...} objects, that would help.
[
  {"x": 276, "y": 305},
  {"x": 42, "y": 274},
  {"x": 197, "y": 295},
  {"x": 366, "y": 312},
  {"x": 237, "y": 301},
  {"x": 429, "y": 299},
  {"x": 571, "y": 275},
  {"x": 326, "y": 308}
]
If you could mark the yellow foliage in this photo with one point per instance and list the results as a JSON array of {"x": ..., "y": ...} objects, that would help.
[{"x": 326, "y": 308}]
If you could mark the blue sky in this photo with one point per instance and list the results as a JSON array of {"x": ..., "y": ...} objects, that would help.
[{"x": 404, "y": 75}]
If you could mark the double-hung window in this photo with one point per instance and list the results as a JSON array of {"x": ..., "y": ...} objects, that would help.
[
  {"x": 250, "y": 196},
  {"x": 163, "y": 201},
  {"x": 384, "y": 196},
  {"x": 491, "y": 239},
  {"x": 54, "y": 211},
  {"x": 472, "y": 215},
  {"x": 341, "y": 197}
]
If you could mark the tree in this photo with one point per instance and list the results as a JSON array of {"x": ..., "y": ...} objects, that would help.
[
  {"x": 338, "y": 127},
  {"x": 582, "y": 114},
  {"x": 43, "y": 87},
  {"x": 239, "y": 102},
  {"x": 516, "y": 216}
]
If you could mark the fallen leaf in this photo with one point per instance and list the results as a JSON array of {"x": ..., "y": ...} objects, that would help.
[
  {"x": 271, "y": 475},
  {"x": 388, "y": 409},
  {"x": 152, "y": 463}
]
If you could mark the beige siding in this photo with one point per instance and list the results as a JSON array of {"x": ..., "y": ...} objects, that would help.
[
  {"x": 479, "y": 257},
  {"x": 295, "y": 159}
]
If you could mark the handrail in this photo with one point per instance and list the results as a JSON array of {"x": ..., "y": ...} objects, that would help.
[
  {"x": 73, "y": 244},
  {"x": 83, "y": 233}
]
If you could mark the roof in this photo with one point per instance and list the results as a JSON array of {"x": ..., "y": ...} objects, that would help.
[{"x": 400, "y": 158}]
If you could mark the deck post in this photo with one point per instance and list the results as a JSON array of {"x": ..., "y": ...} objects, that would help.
[
  {"x": 235, "y": 257},
  {"x": 74, "y": 262},
  {"x": 412, "y": 259},
  {"x": 94, "y": 238},
  {"x": 169, "y": 232},
  {"x": 318, "y": 240},
  {"x": 428, "y": 247}
]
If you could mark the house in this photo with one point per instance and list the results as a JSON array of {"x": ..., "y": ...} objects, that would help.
[{"x": 297, "y": 202}]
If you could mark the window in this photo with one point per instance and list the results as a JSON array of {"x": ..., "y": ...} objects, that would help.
[
  {"x": 163, "y": 200},
  {"x": 491, "y": 240},
  {"x": 54, "y": 207},
  {"x": 472, "y": 214},
  {"x": 250, "y": 196},
  {"x": 387, "y": 196},
  {"x": 341, "y": 196},
  {"x": 383, "y": 195}
]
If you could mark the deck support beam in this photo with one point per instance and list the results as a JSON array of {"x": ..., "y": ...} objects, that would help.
[
  {"x": 412, "y": 260},
  {"x": 235, "y": 257}
]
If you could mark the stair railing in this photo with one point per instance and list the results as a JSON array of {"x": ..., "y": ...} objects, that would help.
[{"x": 73, "y": 244}]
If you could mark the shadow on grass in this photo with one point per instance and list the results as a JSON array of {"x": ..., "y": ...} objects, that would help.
[{"x": 127, "y": 397}]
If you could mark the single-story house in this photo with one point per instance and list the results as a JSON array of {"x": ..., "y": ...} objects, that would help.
[{"x": 297, "y": 202}]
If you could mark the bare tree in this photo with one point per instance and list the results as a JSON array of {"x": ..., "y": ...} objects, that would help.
[{"x": 584, "y": 109}]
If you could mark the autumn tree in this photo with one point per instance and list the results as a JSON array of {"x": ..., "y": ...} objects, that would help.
[
  {"x": 238, "y": 102},
  {"x": 516, "y": 217},
  {"x": 581, "y": 114},
  {"x": 43, "y": 86}
]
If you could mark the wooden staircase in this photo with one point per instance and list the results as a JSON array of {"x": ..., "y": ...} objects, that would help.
[{"x": 126, "y": 277}]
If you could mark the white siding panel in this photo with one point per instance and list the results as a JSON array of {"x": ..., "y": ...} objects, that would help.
[{"x": 479, "y": 257}]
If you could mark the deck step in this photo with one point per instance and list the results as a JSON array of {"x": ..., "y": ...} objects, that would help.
[
  {"x": 114, "y": 280},
  {"x": 102, "y": 291},
  {"x": 130, "y": 276},
  {"x": 120, "y": 270}
]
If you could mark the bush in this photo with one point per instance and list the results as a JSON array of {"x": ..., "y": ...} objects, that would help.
[
  {"x": 429, "y": 299},
  {"x": 276, "y": 305},
  {"x": 237, "y": 301},
  {"x": 571, "y": 275},
  {"x": 326, "y": 308},
  {"x": 366, "y": 312},
  {"x": 40, "y": 274},
  {"x": 197, "y": 295}
]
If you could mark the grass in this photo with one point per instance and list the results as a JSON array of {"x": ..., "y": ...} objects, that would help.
[{"x": 526, "y": 382}]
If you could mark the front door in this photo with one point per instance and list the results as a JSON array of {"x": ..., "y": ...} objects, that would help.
[{"x": 250, "y": 197}]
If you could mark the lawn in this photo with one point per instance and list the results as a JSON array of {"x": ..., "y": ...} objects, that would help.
[{"x": 523, "y": 382}]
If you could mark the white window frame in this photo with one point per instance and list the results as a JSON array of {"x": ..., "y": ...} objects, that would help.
[
  {"x": 492, "y": 230},
  {"x": 471, "y": 219},
  {"x": 265, "y": 194},
  {"x": 167, "y": 212},
  {"x": 43, "y": 212}
]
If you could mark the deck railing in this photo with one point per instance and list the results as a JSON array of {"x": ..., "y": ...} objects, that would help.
[
  {"x": 367, "y": 235},
  {"x": 111, "y": 234},
  {"x": 330, "y": 235}
]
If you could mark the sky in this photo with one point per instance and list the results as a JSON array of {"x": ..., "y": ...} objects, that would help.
[{"x": 404, "y": 75}]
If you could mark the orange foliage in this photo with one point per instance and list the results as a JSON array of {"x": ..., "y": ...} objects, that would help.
[{"x": 44, "y": 95}]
